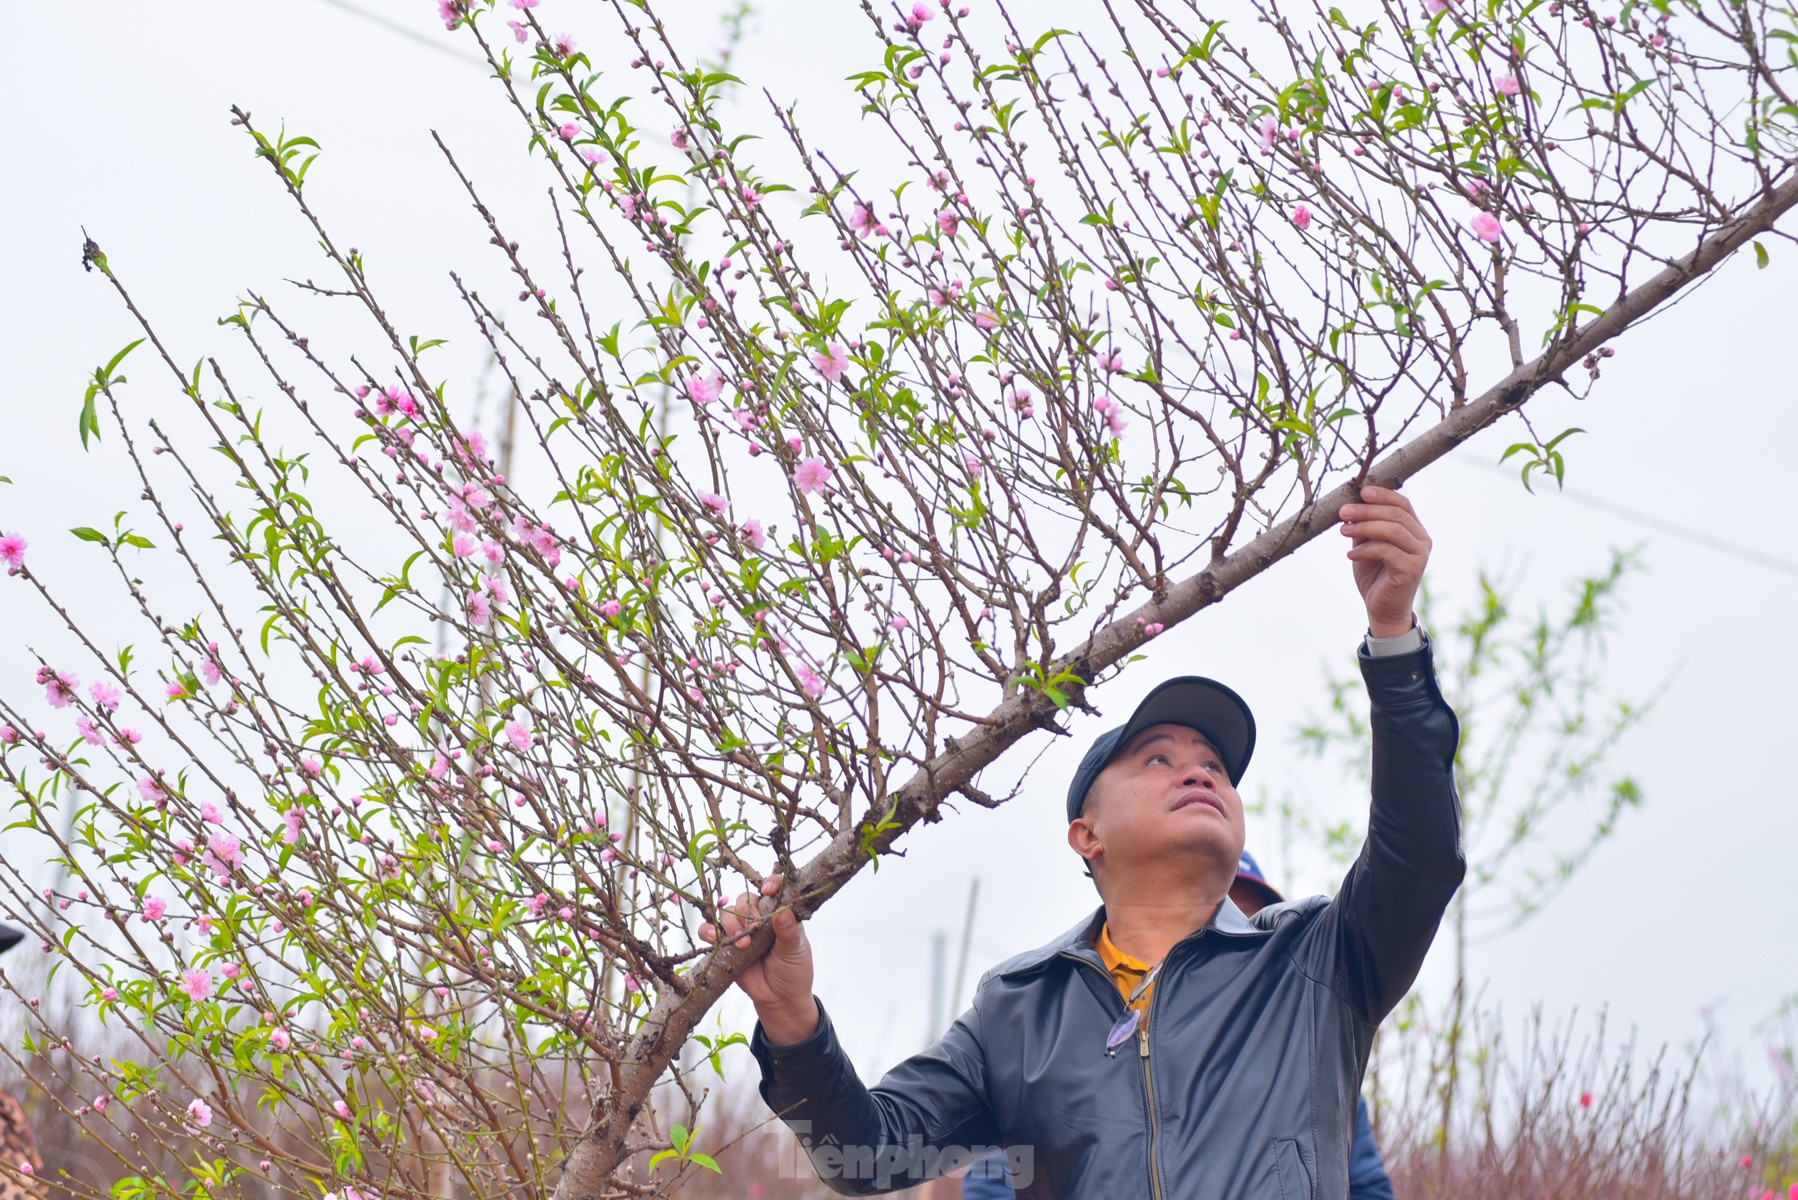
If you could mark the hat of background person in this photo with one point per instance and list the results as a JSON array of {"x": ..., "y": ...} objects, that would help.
[
  {"x": 10, "y": 937},
  {"x": 1248, "y": 869},
  {"x": 1190, "y": 700}
]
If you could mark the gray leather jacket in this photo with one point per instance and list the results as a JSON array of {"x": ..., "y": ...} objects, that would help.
[{"x": 1244, "y": 1087}]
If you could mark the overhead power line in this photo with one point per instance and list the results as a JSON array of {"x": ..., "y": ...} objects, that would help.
[
  {"x": 405, "y": 31},
  {"x": 1697, "y": 537}
]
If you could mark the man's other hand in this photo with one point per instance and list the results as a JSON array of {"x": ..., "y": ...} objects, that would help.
[
  {"x": 1390, "y": 551},
  {"x": 780, "y": 982}
]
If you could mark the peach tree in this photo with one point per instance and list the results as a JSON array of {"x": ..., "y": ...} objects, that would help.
[{"x": 381, "y": 811}]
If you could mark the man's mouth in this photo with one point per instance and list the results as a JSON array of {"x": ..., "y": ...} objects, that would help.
[{"x": 1192, "y": 798}]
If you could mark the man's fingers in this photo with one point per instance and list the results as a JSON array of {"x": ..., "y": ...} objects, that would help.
[
  {"x": 789, "y": 933},
  {"x": 1408, "y": 537},
  {"x": 1387, "y": 553},
  {"x": 1380, "y": 495}
]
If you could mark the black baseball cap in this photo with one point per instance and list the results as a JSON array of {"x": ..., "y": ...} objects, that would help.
[
  {"x": 10, "y": 937},
  {"x": 1191, "y": 700}
]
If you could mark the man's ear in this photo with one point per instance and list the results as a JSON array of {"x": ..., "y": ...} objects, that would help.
[{"x": 1084, "y": 840}]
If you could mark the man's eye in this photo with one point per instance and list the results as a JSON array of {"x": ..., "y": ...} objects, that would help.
[{"x": 1153, "y": 757}]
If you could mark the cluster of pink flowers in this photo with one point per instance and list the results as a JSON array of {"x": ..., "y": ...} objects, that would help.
[
  {"x": 393, "y": 400},
  {"x": 540, "y": 538},
  {"x": 1113, "y": 412}
]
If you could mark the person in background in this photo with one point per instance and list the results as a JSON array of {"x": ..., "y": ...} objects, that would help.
[{"x": 989, "y": 1179}]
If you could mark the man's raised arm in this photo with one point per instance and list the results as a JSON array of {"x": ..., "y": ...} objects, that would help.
[{"x": 1394, "y": 896}]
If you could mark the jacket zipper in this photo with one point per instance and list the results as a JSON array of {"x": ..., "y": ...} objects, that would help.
[
  {"x": 1148, "y": 1081},
  {"x": 1142, "y": 1041}
]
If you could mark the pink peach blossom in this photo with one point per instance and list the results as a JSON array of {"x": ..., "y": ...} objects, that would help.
[
  {"x": 754, "y": 534},
  {"x": 831, "y": 362},
  {"x": 12, "y": 551},
  {"x": 1301, "y": 217},
  {"x": 1267, "y": 129},
  {"x": 155, "y": 908},
  {"x": 948, "y": 221},
  {"x": 224, "y": 854},
  {"x": 197, "y": 984},
  {"x": 1486, "y": 227},
  {"x": 812, "y": 475},
  {"x": 519, "y": 735},
  {"x": 1506, "y": 85},
  {"x": 59, "y": 687},
  {"x": 199, "y": 1114},
  {"x": 703, "y": 390}
]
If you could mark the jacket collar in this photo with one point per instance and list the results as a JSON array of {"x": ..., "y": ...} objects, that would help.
[{"x": 1228, "y": 920}]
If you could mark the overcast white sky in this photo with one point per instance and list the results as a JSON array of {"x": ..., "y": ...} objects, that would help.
[{"x": 116, "y": 117}]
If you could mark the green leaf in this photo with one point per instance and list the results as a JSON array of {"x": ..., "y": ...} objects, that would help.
[
  {"x": 705, "y": 1160},
  {"x": 1761, "y": 257},
  {"x": 90, "y": 535},
  {"x": 90, "y": 419}
]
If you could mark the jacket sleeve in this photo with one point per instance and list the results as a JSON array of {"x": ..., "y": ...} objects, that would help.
[
  {"x": 1367, "y": 1173},
  {"x": 1386, "y": 913},
  {"x": 928, "y": 1116}
]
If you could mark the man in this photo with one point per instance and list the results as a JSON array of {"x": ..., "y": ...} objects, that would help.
[
  {"x": 990, "y": 1177},
  {"x": 1228, "y": 1071}
]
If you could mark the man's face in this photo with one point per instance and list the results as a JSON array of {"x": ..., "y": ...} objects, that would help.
[{"x": 1165, "y": 795}]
